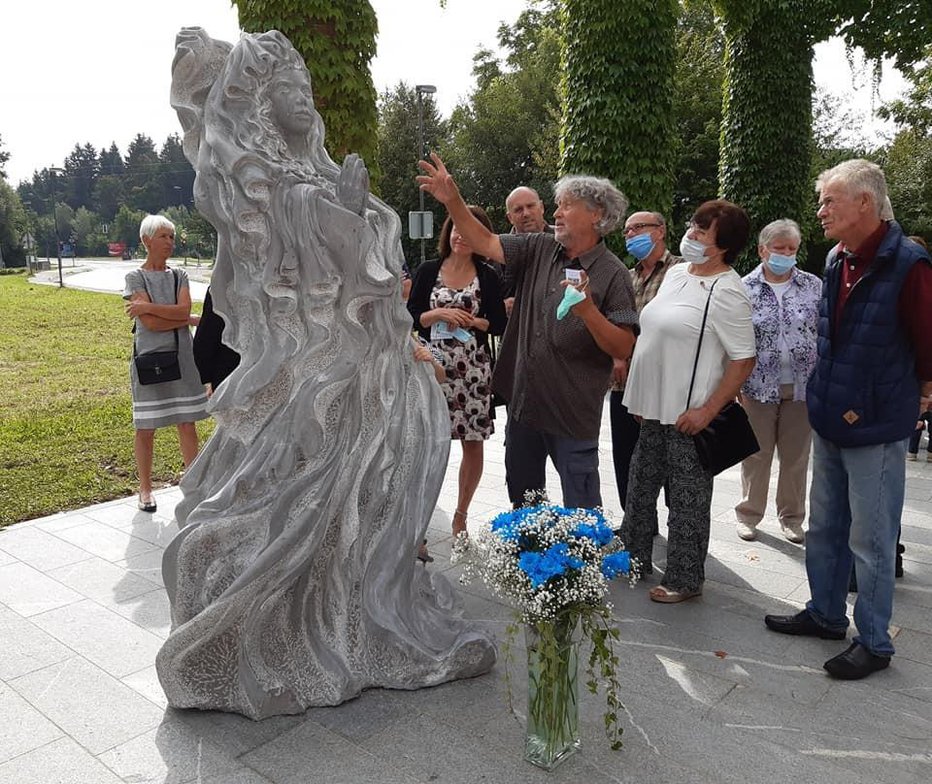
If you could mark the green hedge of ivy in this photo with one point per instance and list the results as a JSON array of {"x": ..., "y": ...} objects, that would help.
[
  {"x": 767, "y": 117},
  {"x": 619, "y": 61}
]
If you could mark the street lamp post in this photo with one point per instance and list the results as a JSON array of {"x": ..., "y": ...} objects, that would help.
[
  {"x": 61, "y": 279},
  {"x": 422, "y": 90}
]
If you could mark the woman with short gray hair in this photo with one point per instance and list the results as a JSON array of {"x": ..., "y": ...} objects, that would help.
[
  {"x": 784, "y": 310},
  {"x": 159, "y": 302}
]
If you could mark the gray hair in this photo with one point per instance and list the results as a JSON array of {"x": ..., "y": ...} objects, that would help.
[
  {"x": 784, "y": 227},
  {"x": 152, "y": 223},
  {"x": 858, "y": 176},
  {"x": 599, "y": 194},
  {"x": 886, "y": 212}
]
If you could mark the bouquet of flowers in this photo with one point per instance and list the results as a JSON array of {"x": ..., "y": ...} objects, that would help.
[{"x": 554, "y": 564}]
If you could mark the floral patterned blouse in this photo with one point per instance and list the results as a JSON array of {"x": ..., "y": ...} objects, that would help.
[{"x": 796, "y": 318}]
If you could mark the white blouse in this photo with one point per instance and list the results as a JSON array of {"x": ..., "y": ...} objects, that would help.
[{"x": 658, "y": 381}]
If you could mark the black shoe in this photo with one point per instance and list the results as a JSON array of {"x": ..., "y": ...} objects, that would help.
[
  {"x": 422, "y": 555},
  {"x": 146, "y": 506},
  {"x": 802, "y": 624},
  {"x": 855, "y": 663}
]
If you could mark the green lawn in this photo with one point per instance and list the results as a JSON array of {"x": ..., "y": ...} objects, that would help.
[{"x": 66, "y": 432}]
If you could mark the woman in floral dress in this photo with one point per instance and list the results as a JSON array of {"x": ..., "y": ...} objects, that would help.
[{"x": 456, "y": 303}]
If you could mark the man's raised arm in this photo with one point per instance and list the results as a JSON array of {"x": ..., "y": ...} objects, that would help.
[{"x": 438, "y": 182}]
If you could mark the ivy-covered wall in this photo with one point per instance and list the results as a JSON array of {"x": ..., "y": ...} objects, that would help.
[
  {"x": 767, "y": 116},
  {"x": 337, "y": 40},
  {"x": 619, "y": 61}
]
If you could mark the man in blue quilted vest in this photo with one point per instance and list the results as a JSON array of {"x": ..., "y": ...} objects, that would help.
[{"x": 872, "y": 379}]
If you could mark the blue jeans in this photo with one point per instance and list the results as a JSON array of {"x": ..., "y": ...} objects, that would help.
[{"x": 855, "y": 506}]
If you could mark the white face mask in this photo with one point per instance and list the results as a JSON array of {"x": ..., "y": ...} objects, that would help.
[{"x": 693, "y": 251}]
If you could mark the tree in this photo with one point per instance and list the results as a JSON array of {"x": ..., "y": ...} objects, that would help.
[
  {"x": 142, "y": 175},
  {"x": 336, "y": 38},
  {"x": 908, "y": 166},
  {"x": 697, "y": 111},
  {"x": 4, "y": 157},
  {"x": 908, "y": 163},
  {"x": 87, "y": 232},
  {"x": 176, "y": 175},
  {"x": 82, "y": 169},
  {"x": 915, "y": 110},
  {"x": 506, "y": 134},
  {"x": 765, "y": 154},
  {"x": 125, "y": 226},
  {"x": 111, "y": 162},
  {"x": 109, "y": 194},
  {"x": 398, "y": 152},
  {"x": 618, "y": 90},
  {"x": 12, "y": 226}
]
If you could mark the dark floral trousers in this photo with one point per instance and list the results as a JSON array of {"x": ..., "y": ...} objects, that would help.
[{"x": 663, "y": 455}]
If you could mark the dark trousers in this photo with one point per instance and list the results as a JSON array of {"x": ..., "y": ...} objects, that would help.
[
  {"x": 576, "y": 461},
  {"x": 916, "y": 436},
  {"x": 625, "y": 432}
]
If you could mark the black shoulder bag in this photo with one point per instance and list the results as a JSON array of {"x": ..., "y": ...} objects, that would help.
[
  {"x": 729, "y": 438},
  {"x": 158, "y": 367}
]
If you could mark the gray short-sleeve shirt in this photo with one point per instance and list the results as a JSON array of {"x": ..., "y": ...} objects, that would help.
[
  {"x": 161, "y": 290},
  {"x": 552, "y": 372}
]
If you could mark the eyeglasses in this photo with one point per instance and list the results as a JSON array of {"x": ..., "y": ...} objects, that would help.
[{"x": 639, "y": 226}]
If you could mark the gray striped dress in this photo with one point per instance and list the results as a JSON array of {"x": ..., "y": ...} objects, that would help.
[{"x": 184, "y": 400}]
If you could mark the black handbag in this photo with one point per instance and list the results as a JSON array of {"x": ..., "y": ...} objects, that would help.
[
  {"x": 729, "y": 438},
  {"x": 158, "y": 367}
]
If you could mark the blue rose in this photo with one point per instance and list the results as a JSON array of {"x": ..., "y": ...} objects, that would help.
[
  {"x": 554, "y": 561},
  {"x": 599, "y": 532},
  {"x": 616, "y": 563}
]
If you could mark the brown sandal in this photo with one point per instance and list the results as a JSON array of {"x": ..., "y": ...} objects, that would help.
[{"x": 665, "y": 595}]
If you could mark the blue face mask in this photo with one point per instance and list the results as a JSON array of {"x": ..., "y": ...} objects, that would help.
[
  {"x": 640, "y": 246},
  {"x": 779, "y": 264}
]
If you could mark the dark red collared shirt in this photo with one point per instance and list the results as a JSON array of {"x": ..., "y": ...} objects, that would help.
[{"x": 915, "y": 303}]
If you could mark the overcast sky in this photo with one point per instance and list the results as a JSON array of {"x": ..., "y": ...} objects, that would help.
[{"x": 99, "y": 71}]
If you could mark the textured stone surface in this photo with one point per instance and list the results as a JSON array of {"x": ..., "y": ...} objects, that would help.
[
  {"x": 27, "y": 591},
  {"x": 22, "y": 727},
  {"x": 62, "y": 762},
  {"x": 90, "y": 629},
  {"x": 292, "y": 581},
  {"x": 89, "y": 705}
]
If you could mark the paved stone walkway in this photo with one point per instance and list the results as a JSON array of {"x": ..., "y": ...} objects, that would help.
[{"x": 711, "y": 695}]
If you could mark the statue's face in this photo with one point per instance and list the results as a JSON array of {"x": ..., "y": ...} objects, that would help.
[{"x": 292, "y": 103}]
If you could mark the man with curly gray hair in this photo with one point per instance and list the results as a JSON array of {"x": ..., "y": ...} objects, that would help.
[{"x": 554, "y": 371}]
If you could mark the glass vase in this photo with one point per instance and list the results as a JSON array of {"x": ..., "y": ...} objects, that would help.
[{"x": 553, "y": 691}]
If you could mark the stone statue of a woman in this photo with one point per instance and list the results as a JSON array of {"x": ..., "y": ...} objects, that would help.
[{"x": 293, "y": 581}]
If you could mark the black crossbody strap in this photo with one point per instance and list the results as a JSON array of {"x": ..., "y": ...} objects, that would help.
[
  {"x": 149, "y": 295},
  {"x": 705, "y": 315}
]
